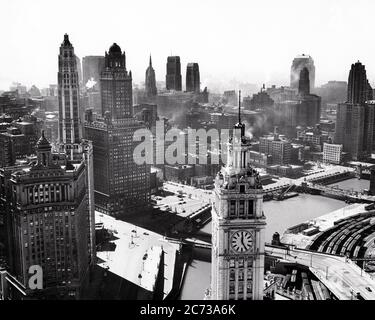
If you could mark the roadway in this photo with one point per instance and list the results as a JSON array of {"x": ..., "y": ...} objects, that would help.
[
  {"x": 340, "y": 192},
  {"x": 341, "y": 276},
  {"x": 205, "y": 196}
]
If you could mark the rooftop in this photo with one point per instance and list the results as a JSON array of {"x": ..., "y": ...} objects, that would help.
[{"x": 144, "y": 247}]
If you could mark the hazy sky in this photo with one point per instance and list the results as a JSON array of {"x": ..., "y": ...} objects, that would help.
[{"x": 251, "y": 41}]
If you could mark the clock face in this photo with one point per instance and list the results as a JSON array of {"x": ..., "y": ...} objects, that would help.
[{"x": 242, "y": 241}]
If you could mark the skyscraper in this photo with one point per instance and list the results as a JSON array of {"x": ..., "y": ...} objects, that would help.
[
  {"x": 303, "y": 110},
  {"x": 48, "y": 222},
  {"x": 92, "y": 68},
  {"x": 150, "y": 81},
  {"x": 355, "y": 117},
  {"x": 193, "y": 78},
  {"x": 116, "y": 86},
  {"x": 300, "y": 62},
  {"x": 70, "y": 130},
  {"x": 121, "y": 186},
  {"x": 77, "y": 150},
  {"x": 359, "y": 89},
  {"x": 173, "y": 78},
  {"x": 238, "y": 225},
  {"x": 304, "y": 82},
  {"x": 79, "y": 70}
]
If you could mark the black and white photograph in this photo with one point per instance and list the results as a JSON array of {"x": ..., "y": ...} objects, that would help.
[{"x": 167, "y": 151}]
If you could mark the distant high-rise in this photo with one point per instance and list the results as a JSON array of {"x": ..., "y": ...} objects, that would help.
[
  {"x": 173, "y": 78},
  {"x": 303, "y": 110},
  {"x": 150, "y": 81},
  {"x": 355, "y": 117},
  {"x": 359, "y": 89},
  {"x": 300, "y": 62},
  {"x": 79, "y": 70},
  {"x": 70, "y": 130},
  {"x": 92, "y": 68},
  {"x": 116, "y": 85},
  {"x": 193, "y": 78},
  {"x": 304, "y": 82},
  {"x": 121, "y": 186}
]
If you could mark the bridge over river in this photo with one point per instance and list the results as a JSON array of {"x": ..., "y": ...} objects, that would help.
[
  {"x": 344, "y": 278},
  {"x": 337, "y": 192}
]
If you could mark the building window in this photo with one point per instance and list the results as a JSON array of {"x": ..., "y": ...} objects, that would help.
[
  {"x": 240, "y": 288},
  {"x": 249, "y": 287},
  {"x": 242, "y": 208},
  {"x": 251, "y": 208},
  {"x": 232, "y": 274},
  {"x": 231, "y": 287},
  {"x": 240, "y": 275},
  {"x": 249, "y": 274},
  {"x": 232, "y": 208}
]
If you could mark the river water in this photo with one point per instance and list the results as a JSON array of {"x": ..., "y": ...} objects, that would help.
[{"x": 280, "y": 215}]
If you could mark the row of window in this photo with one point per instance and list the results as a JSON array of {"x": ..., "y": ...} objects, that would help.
[
  {"x": 241, "y": 208},
  {"x": 241, "y": 287}
]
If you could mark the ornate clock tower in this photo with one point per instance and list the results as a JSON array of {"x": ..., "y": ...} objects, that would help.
[{"x": 238, "y": 225}]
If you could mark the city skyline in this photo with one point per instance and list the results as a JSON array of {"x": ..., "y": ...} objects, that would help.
[
  {"x": 245, "y": 41},
  {"x": 161, "y": 162}
]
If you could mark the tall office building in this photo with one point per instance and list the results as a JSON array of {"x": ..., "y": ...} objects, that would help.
[
  {"x": 121, "y": 186},
  {"x": 310, "y": 103},
  {"x": 79, "y": 70},
  {"x": 304, "y": 82},
  {"x": 70, "y": 130},
  {"x": 46, "y": 205},
  {"x": 70, "y": 142},
  {"x": 116, "y": 86},
  {"x": 150, "y": 81},
  {"x": 173, "y": 78},
  {"x": 193, "y": 83},
  {"x": 92, "y": 68},
  {"x": 300, "y": 62},
  {"x": 303, "y": 110},
  {"x": 355, "y": 117},
  {"x": 359, "y": 89},
  {"x": 238, "y": 226}
]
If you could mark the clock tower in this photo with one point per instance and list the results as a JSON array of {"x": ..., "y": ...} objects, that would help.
[{"x": 238, "y": 225}]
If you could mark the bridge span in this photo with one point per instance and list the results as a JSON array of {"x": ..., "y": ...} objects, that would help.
[
  {"x": 344, "y": 278},
  {"x": 338, "y": 192},
  {"x": 340, "y": 275}
]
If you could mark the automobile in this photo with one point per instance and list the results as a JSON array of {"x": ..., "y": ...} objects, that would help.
[
  {"x": 359, "y": 296},
  {"x": 368, "y": 289},
  {"x": 145, "y": 233}
]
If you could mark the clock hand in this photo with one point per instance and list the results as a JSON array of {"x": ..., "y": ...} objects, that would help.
[{"x": 243, "y": 241}]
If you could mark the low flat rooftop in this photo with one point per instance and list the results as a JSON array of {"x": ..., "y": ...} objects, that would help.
[
  {"x": 127, "y": 258},
  {"x": 191, "y": 199}
]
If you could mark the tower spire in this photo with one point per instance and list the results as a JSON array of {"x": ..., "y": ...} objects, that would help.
[
  {"x": 150, "y": 61},
  {"x": 239, "y": 106}
]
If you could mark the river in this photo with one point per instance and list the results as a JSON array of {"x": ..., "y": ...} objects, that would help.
[{"x": 280, "y": 215}]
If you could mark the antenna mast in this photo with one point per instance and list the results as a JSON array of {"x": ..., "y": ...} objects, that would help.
[{"x": 239, "y": 106}]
